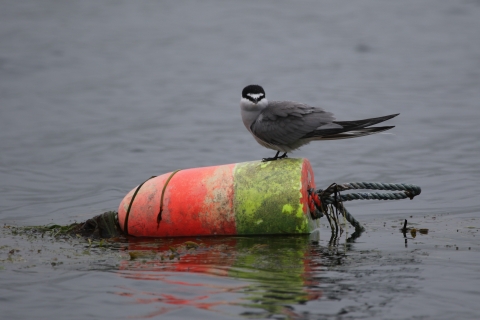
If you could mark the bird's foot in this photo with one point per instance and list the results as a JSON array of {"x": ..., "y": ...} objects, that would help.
[
  {"x": 276, "y": 157},
  {"x": 270, "y": 159}
]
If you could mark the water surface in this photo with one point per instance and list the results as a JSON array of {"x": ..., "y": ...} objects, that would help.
[{"x": 95, "y": 97}]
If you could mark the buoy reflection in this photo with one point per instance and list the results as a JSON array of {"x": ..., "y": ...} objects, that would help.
[{"x": 263, "y": 273}]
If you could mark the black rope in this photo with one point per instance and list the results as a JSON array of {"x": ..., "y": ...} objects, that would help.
[
  {"x": 125, "y": 223},
  {"x": 409, "y": 191},
  {"x": 159, "y": 216}
]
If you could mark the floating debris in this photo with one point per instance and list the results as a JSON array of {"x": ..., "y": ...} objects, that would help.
[{"x": 191, "y": 244}]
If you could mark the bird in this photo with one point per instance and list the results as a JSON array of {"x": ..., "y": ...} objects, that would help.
[{"x": 285, "y": 126}]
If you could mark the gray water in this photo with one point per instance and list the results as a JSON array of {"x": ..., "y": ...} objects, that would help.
[{"x": 97, "y": 96}]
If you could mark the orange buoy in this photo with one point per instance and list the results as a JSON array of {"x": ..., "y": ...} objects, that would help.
[{"x": 234, "y": 199}]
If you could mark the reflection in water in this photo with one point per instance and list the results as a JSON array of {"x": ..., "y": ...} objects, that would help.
[
  {"x": 275, "y": 272},
  {"x": 275, "y": 276},
  {"x": 283, "y": 276}
]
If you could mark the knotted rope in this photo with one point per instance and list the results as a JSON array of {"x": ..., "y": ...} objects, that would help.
[{"x": 331, "y": 197}]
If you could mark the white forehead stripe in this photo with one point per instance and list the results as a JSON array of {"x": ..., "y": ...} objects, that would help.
[{"x": 255, "y": 95}]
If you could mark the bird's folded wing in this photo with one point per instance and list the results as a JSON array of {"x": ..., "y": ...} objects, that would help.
[{"x": 284, "y": 122}]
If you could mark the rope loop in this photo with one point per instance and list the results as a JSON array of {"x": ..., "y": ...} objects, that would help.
[
  {"x": 409, "y": 191},
  {"x": 159, "y": 216},
  {"x": 125, "y": 223}
]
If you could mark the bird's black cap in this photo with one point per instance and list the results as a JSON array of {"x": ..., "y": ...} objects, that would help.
[{"x": 252, "y": 89}]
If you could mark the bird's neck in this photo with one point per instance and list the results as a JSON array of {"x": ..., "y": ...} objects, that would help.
[{"x": 251, "y": 111}]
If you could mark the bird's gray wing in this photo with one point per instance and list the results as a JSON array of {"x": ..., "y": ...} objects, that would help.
[{"x": 285, "y": 122}]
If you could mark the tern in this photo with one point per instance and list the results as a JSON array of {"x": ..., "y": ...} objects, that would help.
[{"x": 285, "y": 126}]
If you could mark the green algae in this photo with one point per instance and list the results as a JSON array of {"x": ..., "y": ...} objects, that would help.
[{"x": 267, "y": 198}]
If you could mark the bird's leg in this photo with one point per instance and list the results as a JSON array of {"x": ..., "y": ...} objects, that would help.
[
  {"x": 271, "y": 159},
  {"x": 284, "y": 155}
]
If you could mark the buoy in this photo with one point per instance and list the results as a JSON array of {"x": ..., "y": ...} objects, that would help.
[{"x": 250, "y": 198}]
